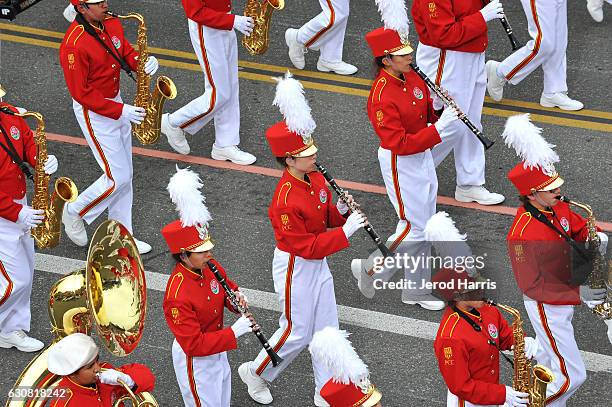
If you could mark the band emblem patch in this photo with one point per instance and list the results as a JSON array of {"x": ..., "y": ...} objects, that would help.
[
  {"x": 15, "y": 133},
  {"x": 116, "y": 42},
  {"x": 323, "y": 196},
  {"x": 448, "y": 356},
  {"x": 565, "y": 224},
  {"x": 492, "y": 331},
  {"x": 418, "y": 93},
  {"x": 433, "y": 11},
  {"x": 285, "y": 221},
  {"x": 214, "y": 286},
  {"x": 519, "y": 253},
  {"x": 175, "y": 315}
]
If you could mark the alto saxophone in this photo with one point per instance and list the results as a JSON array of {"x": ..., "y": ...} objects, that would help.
[
  {"x": 261, "y": 12},
  {"x": 149, "y": 130},
  {"x": 526, "y": 379},
  {"x": 599, "y": 277},
  {"x": 48, "y": 233}
]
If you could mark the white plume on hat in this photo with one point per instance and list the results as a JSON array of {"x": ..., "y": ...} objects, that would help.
[
  {"x": 293, "y": 105},
  {"x": 184, "y": 188},
  {"x": 526, "y": 138},
  {"x": 331, "y": 347},
  {"x": 394, "y": 16},
  {"x": 441, "y": 227}
]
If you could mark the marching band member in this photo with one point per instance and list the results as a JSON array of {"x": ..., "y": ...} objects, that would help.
[
  {"x": 452, "y": 42},
  {"x": 88, "y": 382},
  {"x": 92, "y": 54},
  {"x": 308, "y": 227},
  {"x": 538, "y": 247},
  {"x": 547, "y": 24},
  {"x": 350, "y": 382},
  {"x": 17, "y": 147},
  {"x": 471, "y": 333},
  {"x": 400, "y": 108},
  {"x": 211, "y": 28},
  {"x": 324, "y": 33},
  {"x": 194, "y": 301}
]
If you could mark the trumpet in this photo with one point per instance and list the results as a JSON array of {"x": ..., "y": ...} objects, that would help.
[{"x": 231, "y": 296}]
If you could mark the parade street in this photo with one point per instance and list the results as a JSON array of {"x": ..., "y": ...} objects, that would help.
[{"x": 394, "y": 339}]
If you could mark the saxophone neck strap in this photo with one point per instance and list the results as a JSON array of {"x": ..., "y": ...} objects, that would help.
[
  {"x": 10, "y": 148},
  {"x": 114, "y": 53}
]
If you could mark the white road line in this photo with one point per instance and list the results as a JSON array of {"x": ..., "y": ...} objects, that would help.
[{"x": 595, "y": 362}]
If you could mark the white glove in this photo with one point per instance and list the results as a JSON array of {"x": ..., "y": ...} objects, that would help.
[
  {"x": 603, "y": 246},
  {"x": 30, "y": 217},
  {"x": 492, "y": 10},
  {"x": 609, "y": 323},
  {"x": 244, "y": 24},
  {"x": 151, "y": 65},
  {"x": 133, "y": 114},
  {"x": 449, "y": 116},
  {"x": 437, "y": 102},
  {"x": 241, "y": 326},
  {"x": 516, "y": 398},
  {"x": 112, "y": 377},
  {"x": 592, "y": 295},
  {"x": 354, "y": 222},
  {"x": 51, "y": 165},
  {"x": 342, "y": 206},
  {"x": 531, "y": 347}
]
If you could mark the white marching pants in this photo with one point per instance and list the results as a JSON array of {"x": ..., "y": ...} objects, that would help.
[
  {"x": 205, "y": 381},
  {"x": 306, "y": 295},
  {"x": 325, "y": 32},
  {"x": 217, "y": 51},
  {"x": 454, "y": 401},
  {"x": 558, "y": 349},
  {"x": 547, "y": 24},
  {"x": 111, "y": 144},
  {"x": 412, "y": 188},
  {"x": 16, "y": 273},
  {"x": 463, "y": 75}
]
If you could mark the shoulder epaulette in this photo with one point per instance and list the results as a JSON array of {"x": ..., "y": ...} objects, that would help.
[
  {"x": 283, "y": 194},
  {"x": 74, "y": 35},
  {"x": 174, "y": 286},
  {"x": 377, "y": 89},
  {"x": 520, "y": 224},
  {"x": 449, "y": 325}
]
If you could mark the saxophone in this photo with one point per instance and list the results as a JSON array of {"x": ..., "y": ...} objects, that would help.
[
  {"x": 48, "y": 233},
  {"x": 261, "y": 12},
  {"x": 599, "y": 277},
  {"x": 526, "y": 379},
  {"x": 149, "y": 130}
]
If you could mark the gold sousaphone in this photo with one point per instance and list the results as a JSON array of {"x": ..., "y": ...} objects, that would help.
[{"x": 110, "y": 293}]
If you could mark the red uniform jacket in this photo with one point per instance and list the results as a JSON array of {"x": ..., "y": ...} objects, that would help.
[
  {"x": 193, "y": 306},
  {"x": 455, "y": 25},
  {"x": 211, "y": 13},
  {"x": 12, "y": 179},
  {"x": 103, "y": 395},
  {"x": 541, "y": 258},
  {"x": 301, "y": 212},
  {"x": 91, "y": 73},
  {"x": 468, "y": 363},
  {"x": 399, "y": 111}
]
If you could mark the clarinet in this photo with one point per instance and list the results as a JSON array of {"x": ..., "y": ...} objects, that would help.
[
  {"x": 341, "y": 193},
  {"x": 508, "y": 28},
  {"x": 231, "y": 296},
  {"x": 486, "y": 142}
]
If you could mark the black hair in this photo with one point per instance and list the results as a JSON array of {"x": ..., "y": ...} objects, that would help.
[
  {"x": 282, "y": 161},
  {"x": 377, "y": 65}
]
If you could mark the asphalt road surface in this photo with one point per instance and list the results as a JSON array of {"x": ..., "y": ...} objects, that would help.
[{"x": 395, "y": 340}]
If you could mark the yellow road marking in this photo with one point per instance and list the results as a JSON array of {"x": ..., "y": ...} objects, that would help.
[{"x": 542, "y": 118}]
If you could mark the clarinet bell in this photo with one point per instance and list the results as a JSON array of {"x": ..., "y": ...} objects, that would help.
[{"x": 488, "y": 143}]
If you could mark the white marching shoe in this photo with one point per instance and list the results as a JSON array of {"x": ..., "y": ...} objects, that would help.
[
  {"x": 341, "y": 67},
  {"x": 320, "y": 401},
  {"x": 74, "y": 228},
  {"x": 233, "y": 154},
  {"x": 365, "y": 283},
  {"x": 429, "y": 302},
  {"x": 495, "y": 84},
  {"x": 296, "y": 50},
  {"x": 595, "y": 8},
  {"x": 477, "y": 193},
  {"x": 257, "y": 387},
  {"x": 176, "y": 136},
  {"x": 70, "y": 13},
  {"x": 560, "y": 100},
  {"x": 143, "y": 247},
  {"x": 21, "y": 341}
]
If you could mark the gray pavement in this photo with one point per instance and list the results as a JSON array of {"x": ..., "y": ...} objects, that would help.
[{"x": 402, "y": 366}]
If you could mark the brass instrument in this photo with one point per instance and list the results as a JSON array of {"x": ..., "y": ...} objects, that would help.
[
  {"x": 149, "y": 130},
  {"x": 48, "y": 233},
  {"x": 526, "y": 379},
  {"x": 110, "y": 293},
  {"x": 261, "y": 12},
  {"x": 138, "y": 400},
  {"x": 599, "y": 277}
]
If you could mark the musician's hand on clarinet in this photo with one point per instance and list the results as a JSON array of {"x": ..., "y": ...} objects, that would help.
[
  {"x": 344, "y": 202},
  {"x": 492, "y": 10},
  {"x": 354, "y": 222},
  {"x": 449, "y": 116},
  {"x": 254, "y": 325},
  {"x": 242, "y": 299},
  {"x": 242, "y": 325}
]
